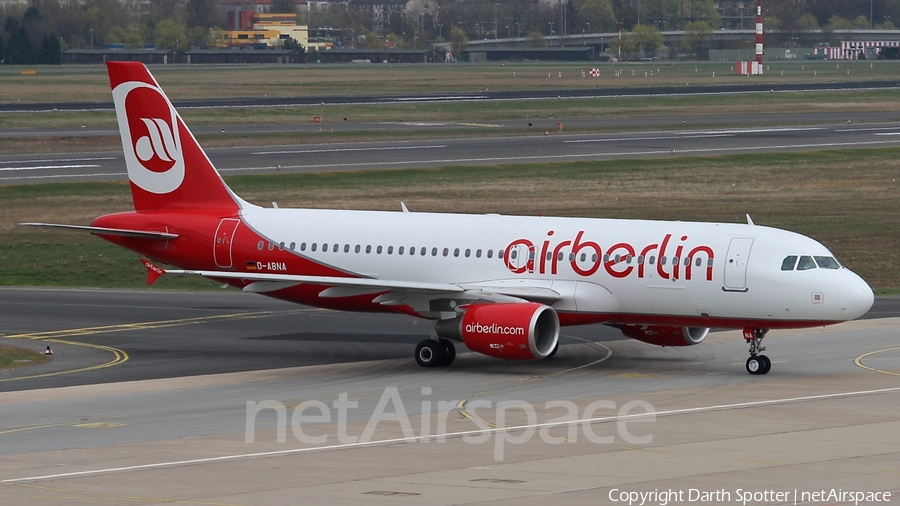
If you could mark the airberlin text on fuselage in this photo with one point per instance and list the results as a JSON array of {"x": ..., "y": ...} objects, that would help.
[{"x": 671, "y": 259}]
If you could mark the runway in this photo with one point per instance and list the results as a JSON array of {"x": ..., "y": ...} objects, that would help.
[
  {"x": 527, "y": 148},
  {"x": 823, "y": 418}
]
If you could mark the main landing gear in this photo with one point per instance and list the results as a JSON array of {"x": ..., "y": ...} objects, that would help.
[
  {"x": 435, "y": 353},
  {"x": 757, "y": 364}
]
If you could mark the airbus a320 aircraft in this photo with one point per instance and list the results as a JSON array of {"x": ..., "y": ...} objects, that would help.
[{"x": 503, "y": 285}]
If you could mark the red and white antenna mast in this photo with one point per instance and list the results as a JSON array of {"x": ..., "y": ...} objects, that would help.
[{"x": 759, "y": 35}]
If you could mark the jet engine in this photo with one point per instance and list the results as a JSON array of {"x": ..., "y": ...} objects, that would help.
[
  {"x": 517, "y": 331},
  {"x": 665, "y": 336}
]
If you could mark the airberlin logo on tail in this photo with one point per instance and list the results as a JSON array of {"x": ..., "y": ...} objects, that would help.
[{"x": 150, "y": 137}]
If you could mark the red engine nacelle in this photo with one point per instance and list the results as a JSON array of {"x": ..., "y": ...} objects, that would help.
[
  {"x": 521, "y": 331},
  {"x": 665, "y": 336}
]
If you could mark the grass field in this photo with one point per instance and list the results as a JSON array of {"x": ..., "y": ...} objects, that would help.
[
  {"x": 89, "y": 83},
  {"x": 11, "y": 357},
  {"x": 849, "y": 200}
]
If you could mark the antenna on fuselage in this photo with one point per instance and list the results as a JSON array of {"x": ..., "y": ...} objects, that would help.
[
  {"x": 403, "y": 207},
  {"x": 750, "y": 220}
]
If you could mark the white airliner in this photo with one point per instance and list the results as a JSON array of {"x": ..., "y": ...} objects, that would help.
[{"x": 503, "y": 285}]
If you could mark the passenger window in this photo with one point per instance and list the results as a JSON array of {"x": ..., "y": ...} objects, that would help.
[
  {"x": 559, "y": 257},
  {"x": 513, "y": 254},
  {"x": 806, "y": 263},
  {"x": 314, "y": 246},
  {"x": 640, "y": 259},
  {"x": 468, "y": 252},
  {"x": 652, "y": 259},
  {"x": 789, "y": 262},
  {"x": 378, "y": 249},
  {"x": 549, "y": 255},
  {"x": 674, "y": 261},
  {"x": 424, "y": 250},
  {"x": 627, "y": 259},
  {"x": 260, "y": 245},
  {"x": 571, "y": 257},
  {"x": 293, "y": 246},
  {"x": 399, "y": 250},
  {"x": 324, "y": 247},
  {"x": 302, "y": 246},
  {"x": 478, "y": 254},
  {"x": 271, "y": 245},
  {"x": 336, "y": 247},
  {"x": 531, "y": 254},
  {"x": 499, "y": 253},
  {"x": 618, "y": 258},
  {"x": 662, "y": 260},
  {"x": 687, "y": 261},
  {"x": 446, "y": 252},
  {"x": 827, "y": 263},
  {"x": 456, "y": 252},
  {"x": 709, "y": 263},
  {"x": 698, "y": 262},
  {"x": 281, "y": 246},
  {"x": 434, "y": 252},
  {"x": 346, "y": 248},
  {"x": 368, "y": 248},
  {"x": 490, "y": 253},
  {"x": 390, "y": 250},
  {"x": 606, "y": 258},
  {"x": 357, "y": 248}
]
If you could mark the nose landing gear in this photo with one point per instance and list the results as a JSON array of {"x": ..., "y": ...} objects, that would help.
[{"x": 757, "y": 364}]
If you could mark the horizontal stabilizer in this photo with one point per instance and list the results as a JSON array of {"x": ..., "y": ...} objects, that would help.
[{"x": 141, "y": 234}]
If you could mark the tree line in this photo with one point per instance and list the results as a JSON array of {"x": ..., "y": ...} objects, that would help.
[{"x": 37, "y": 32}]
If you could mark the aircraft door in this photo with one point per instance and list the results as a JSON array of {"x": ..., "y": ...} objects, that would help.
[
  {"x": 224, "y": 238},
  {"x": 736, "y": 264}
]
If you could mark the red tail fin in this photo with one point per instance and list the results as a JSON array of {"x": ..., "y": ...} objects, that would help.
[{"x": 166, "y": 165}]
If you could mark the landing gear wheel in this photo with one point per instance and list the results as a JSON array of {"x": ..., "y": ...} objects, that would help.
[
  {"x": 429, "y": 353},
  {"x": 555, "y": 349},
  {"x": 449, "y": 351},
  {"x": 766, "y": 363},
  {"x": 757, "y": 364},
  {"x": 754, "y": 365}
]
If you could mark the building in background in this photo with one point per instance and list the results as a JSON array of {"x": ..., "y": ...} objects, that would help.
[{"x": 259, "y": 30}]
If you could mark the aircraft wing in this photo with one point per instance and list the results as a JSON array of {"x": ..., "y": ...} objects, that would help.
[
  {"x": 392, "y": 291},
  {"x": 141, "y": 234}
]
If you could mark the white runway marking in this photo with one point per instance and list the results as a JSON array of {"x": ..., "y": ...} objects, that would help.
[
  {"x": 342, "y": 150},
  {"x": 58, "y": 160},
  {"x": 42, "y": 167},
  {"x": 563, "y": 157},
  {"x": 672, "y": 412}
]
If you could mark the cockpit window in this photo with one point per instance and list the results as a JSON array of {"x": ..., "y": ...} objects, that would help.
[
  {"x": 788, "y": 263},
  {"x": 827, "y": 263},
  {"x": 806, "y": 263}
]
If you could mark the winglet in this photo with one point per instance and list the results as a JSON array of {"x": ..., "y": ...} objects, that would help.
[{"x": 153, "y": 272}]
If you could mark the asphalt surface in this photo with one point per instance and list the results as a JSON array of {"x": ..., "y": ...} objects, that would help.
[
  {"x": 471, "y": 97},
  {"x": 554, "y": 147},
  {"x": 168, "y": 334}
]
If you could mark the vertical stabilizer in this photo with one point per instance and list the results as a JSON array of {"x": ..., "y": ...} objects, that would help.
[{"x": 166, "y": 166}]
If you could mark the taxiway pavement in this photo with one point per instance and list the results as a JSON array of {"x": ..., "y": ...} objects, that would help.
[{"x": 824, "y": 418}]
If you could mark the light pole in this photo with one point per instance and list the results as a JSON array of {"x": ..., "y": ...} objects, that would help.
[
  {"x": 440, "y": 32},
  {"x": 507, "y": 31},
  {"x": 517, "y": 30},
  {"x": 551, "y": 28},
  {"x": 588, "y": 28},
  {"x": 92, "y": 38}
]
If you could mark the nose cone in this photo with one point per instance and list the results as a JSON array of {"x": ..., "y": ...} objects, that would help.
[{"x": 856, "y": 298}]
